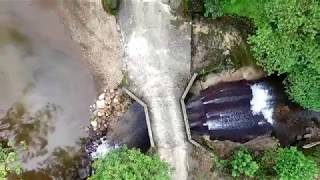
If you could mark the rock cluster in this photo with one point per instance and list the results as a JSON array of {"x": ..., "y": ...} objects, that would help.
[{"x": 110, "y": 105}]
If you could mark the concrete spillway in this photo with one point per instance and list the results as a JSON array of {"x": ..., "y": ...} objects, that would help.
[
  {"x": 157, "y": 59},
  {"x": 237, "y": 111}
]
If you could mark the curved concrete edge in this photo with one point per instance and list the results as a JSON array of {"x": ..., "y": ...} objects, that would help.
[
  {"x": 185, "y": 116},
  {"x": 146, "y": 112},
  {"x": 184, "y": 111}
]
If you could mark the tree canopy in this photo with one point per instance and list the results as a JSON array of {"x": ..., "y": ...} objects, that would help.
[
  {"x": 130, "y": 164},
  {"x": 287, "y": 41}
]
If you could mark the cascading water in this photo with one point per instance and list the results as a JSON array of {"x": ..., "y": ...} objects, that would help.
[
  {"x": 237, "y": 111},
  {"x": 100, "y": 147}
]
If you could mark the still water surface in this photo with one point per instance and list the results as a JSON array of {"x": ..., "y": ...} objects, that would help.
[{"x": 45, "y": 88}]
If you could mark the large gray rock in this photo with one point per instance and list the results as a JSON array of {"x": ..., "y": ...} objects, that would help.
[{"x": 219, "y": 45}]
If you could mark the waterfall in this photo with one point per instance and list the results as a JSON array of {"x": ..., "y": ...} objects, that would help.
[
  {"x": 237, "y": 111},
  {"x": 101, "y": 147},
  {"x": 260, "y": 102}
]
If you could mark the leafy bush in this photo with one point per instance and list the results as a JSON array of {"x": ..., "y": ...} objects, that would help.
[
  {"x": 130, "y": 164},
  {"x": 110, "y": 6},
  {"x": 267, "y": 162},
  {"x": 8, "y": 162},
  {"x": 286, "y": 41},
  {"x": 280, "y": 163},
  {"x": 291, "y": 164},
  {"x": 243, "y": 164},
  {"x": 213, "y": 8}
]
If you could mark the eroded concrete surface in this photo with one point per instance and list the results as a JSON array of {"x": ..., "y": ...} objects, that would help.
[{"x": 157, "y": 60}]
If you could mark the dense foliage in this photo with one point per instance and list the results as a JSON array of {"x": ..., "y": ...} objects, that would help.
[
  {"x": 287, "y": 41},
  {"x": 281, "y": 163},
  {"x": 9, "y": 162},
  {"x": 130, "y": 164},
  {"x": 243, "y": 164},
  {"x": 291, "y": 164}
]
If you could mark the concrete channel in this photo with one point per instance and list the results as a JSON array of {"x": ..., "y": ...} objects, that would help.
[{"x": 157, "y": 61}]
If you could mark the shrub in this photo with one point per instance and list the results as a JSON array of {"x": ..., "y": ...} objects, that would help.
[
  {"x": 267, "y": 162},
  {"x": 111, "y": 6},
  {"x": 130, "y": 164},
  {"x": 291, "y": 164},
  {"x": 243, "y": 164},
  {"x": 213, "y": 8},
  {"x": 9, "y": 162}
]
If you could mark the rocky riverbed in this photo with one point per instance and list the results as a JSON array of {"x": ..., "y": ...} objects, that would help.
[{"x": 110, "y": 106}]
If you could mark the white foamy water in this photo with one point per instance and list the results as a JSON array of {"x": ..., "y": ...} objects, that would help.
[
  {"x": 260, "y": 102},
  {"x": 103, "y": 148}
]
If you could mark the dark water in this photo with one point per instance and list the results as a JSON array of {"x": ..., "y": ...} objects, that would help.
[
  {"x": 227, "y": 111},
  {"x": 45, "y": 89},
  {"x": 130, "y": 130},
  {"x": 224, "y": 111}
]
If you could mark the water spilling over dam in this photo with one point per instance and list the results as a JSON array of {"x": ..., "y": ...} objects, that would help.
[{"x": 237, "y": 111}]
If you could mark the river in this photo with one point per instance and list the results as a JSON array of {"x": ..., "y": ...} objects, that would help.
[{"x": 45, "y": 89}]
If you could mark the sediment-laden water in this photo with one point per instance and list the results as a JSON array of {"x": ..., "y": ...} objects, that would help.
[{"x": 45, "y": 89}]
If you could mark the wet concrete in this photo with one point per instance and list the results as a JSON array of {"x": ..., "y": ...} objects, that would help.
[
  {"x": 45, "y": 89},
  {"x": 158, "y": 60}
]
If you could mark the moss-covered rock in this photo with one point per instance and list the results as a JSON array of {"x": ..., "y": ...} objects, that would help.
[{"x": 219, "y": 45}]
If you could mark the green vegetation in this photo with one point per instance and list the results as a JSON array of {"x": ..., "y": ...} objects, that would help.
[
  {"x": 111, "y": 6},
  {"x": 243, "y": 164},
  {"x": 314, "y": 154},
  {"x": 213, "y": 8},
  {"x": 130, "y": 164},
  {"x": 291, "y": 164},
  {"x": 286, "y": 41},
  {"x": 247, "y": 8},
  {"x": 9, "y": 162},
  {"x": 219, "y": 67},
  {"x": 281, "y": 163},
  {"x": 267, "y": 161}
]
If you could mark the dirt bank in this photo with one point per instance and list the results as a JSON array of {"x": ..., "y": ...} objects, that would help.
[{"x": 97, "y": 34}]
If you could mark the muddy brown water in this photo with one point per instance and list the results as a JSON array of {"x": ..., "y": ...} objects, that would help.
[{"x": 45, "y": 89}]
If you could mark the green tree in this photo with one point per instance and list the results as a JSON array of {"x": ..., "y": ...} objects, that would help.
[
  {"x": 124, "y": 163},
  {"x": 291, "y": 164},
  {"x": 287, "y": 41},
  {"x": 243, "y": 164}
]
